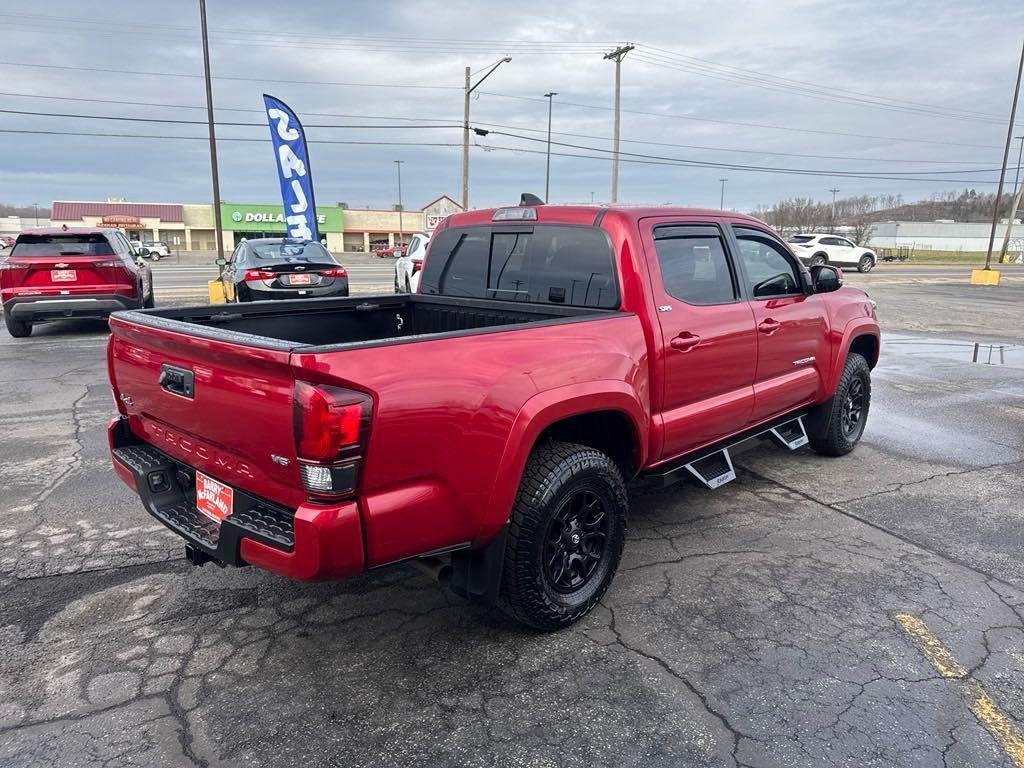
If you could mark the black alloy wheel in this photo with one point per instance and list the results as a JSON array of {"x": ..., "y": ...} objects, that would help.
[{"x": 575, "y": 541}]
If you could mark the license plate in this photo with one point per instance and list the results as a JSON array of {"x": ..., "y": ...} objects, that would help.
[
  {"x": 63, "y": 275},
  {"x": 299, "y": 280},
  {"x": 213, "y": 499}
]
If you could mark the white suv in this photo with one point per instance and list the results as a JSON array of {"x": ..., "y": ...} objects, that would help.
[
  {"x": 409, "y": 264},
  {"x": 832, "y": 249}
]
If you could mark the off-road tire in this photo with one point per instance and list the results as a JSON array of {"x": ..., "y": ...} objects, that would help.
[
  {"x": 866, "y": 264},
  {"x": 816, "y": 259},
  {"x": 825, "y": 424},
  {"x": 556, "y": 474},
  {"x": 19, "y": 329}
]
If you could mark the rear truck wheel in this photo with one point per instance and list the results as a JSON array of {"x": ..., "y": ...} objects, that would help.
[
  {"x": 150, "y": 301},
  {"x": 565, "y": 535},
  {"x": 818, "y": 258},
  {"x": 865, "y": 264},
  {"x": 835, "y": 427},
  {"x": 19, "y": 329}
]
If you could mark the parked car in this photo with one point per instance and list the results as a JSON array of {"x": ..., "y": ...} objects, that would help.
[
  {"x": 384, "y": 252},
  {"x": 279, "y": 268},
  {"x": 6, "y": 241},
  {"x": 409, "y": 264},
  {"x": 486, "y": 426},
  {"x": 832, "y": 249},
  {"x": 157, "y": 249},
  {"x": 56, "y": 273}
]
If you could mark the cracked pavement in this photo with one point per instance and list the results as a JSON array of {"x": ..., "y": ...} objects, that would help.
[{"x": 750, "y": 626}]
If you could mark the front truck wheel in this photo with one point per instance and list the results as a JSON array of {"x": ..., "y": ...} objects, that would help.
[
  {"x": 835, "y": 427},
  {"x": 565, "y": 535}
]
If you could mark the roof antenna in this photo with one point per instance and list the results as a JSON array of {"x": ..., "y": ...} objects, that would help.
[{"x": 527, "y": 199}]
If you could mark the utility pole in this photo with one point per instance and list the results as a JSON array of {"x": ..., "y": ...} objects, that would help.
[
  {"x": 617, "y": 56},
  {"x": 1006, "y": 155},
  {"x": 401, "y": 229},
  {"x": 213, "y": 135},
  {"x": 1017, "y": 190},
  {"x": 834, "y": 190},
  {"x": 35, "y": 208},
  {"x": 465, "y": 127},
  {"x": 547, "y": 175},
  {"x": 721, "y": 201}
]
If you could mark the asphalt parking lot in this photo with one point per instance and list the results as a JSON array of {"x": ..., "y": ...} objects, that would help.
[{"x": 863, "y": 611}]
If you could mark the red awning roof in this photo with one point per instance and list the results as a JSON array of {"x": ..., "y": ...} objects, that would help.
[{"x": 70, "y": 211}]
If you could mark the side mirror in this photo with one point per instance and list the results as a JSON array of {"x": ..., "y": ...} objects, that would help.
[
  {"x": 221, "y": 262},
  {"x": 825, "y": 278}
]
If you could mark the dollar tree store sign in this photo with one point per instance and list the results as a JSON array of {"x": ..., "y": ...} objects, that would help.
[{"x": 270, "y": 218}]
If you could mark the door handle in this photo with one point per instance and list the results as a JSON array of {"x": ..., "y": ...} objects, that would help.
[
  {"x": 769, "y": 326},
  {"x": 685, "y": 341}
]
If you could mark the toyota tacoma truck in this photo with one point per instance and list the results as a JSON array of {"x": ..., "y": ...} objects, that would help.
[{"x": 486, "y": 426}]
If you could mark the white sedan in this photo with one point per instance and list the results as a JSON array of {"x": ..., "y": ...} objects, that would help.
[
  {"x": 832, "y": 249},
  {"x": 409, "y": 264}
]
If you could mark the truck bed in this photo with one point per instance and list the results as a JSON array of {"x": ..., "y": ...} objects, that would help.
[{"x": 322, "y": 324}]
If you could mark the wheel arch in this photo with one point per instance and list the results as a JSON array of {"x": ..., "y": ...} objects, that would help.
[
  {"x": 860, "y": 336},
  {"x": 606, "y": 415}
]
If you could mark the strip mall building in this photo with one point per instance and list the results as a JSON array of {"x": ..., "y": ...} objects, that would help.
[{"x": 191, "y": 227}]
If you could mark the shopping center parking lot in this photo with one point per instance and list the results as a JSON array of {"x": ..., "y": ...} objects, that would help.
[{"x": 863, "y": 611}]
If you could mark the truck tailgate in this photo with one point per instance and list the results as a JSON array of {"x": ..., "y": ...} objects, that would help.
[{"x": 233, "y": 421}]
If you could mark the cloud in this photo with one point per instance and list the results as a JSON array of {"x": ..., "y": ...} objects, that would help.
[{"x": 961, "y": 58}]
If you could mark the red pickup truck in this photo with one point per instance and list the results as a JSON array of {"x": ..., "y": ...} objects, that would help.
[{"x": 487, "y": 426}]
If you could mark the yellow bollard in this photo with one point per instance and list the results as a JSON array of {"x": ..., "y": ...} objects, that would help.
[
  {"x": 984, "y": 277},
  {"x": 216, "y": 289}
]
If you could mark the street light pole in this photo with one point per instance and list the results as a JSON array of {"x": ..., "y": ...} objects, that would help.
[
  {"x": 35, "y": 208},
  {"x": 547, "y": 175},
  {"x": 1006, "y": 154},
  {"x": 465, "y": 126},
  {"x": 721, "y": 202},
  {"x": 401, "y": 229},
  {"x": 617, "y": 56},
  {"x": 213, "y": 134}
]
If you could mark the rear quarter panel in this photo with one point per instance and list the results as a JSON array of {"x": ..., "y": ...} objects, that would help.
[{"x": 444, "y": 411}]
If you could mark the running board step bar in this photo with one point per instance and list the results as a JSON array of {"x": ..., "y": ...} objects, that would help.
[
  {"x": 715, "y": 468},
  {"x": 790, "y": 435}
]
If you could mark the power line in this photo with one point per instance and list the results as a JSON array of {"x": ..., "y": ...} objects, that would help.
[
  {"x": 789, "y": 128},
  {"x": 813, "y": 94},
  {"x": 896, "y": 175},
  {"x": 701, "y": 147},
  {"x": 604, "y": 158},
  {"x": 231, "y": 77},
  {"x": 224, "y": 138},
  {"x": 176, "y": 121},
  {"x": 831, "y": 88}
]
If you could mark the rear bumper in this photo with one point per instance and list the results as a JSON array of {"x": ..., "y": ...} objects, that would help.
[
  {"x": 39, "y": 308},
  {"x": 315, "y": 542},
  {"x": 338, "y": 288}
]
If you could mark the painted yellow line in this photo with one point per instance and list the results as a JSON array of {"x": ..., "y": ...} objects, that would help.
[
  {"x": 943, "y": 661},
  {"x": 1001, "y": 727}
]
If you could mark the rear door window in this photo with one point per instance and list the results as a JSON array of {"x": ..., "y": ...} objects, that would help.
[
  {"x": 62, "y": 245},
  {"x": 693, "y": 263},
  {"x": 544, "y": 263}
]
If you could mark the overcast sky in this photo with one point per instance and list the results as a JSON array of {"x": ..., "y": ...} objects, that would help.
[{"x": 805, "y": 74}]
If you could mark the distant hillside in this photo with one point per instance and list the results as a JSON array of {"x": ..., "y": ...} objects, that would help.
[{"x": 968, "y": 205}]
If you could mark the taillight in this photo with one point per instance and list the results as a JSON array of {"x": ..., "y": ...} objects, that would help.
[
  {"x": 417, "y": 265},
  {"x": 113, "y": 263},
  {"x": 335, "y": 272},
  {"x": 258, "y": 274},
  {"x": 13, "y": 265},
  {"x": 331, "y": 427}
]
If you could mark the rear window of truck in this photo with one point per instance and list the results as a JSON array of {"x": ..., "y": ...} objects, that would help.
[
  {"x": 62, "y": 245},
  {"x": 543, "y": 264}
]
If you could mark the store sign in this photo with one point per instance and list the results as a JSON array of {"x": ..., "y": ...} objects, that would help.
[
  {"x": 271, "y": 218},
  {"x": 434, "y": 221},
  {"x": 120, "y": 220}
]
